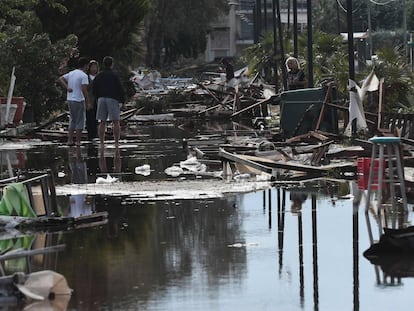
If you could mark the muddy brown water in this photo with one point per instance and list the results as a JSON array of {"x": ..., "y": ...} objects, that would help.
[{"x": 283, "y": 248}]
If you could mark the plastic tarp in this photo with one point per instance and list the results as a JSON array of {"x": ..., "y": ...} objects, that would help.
[
  {"x": 356, "y": 98},
  {"x": 15, "y": 201}
]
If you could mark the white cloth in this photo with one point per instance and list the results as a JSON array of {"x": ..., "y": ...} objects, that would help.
[
  {"x": 75, "y": 79},
  {"x": 356, "y": 98}
]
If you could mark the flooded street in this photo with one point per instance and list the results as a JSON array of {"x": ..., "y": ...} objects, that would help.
[{"x": 277, "y": 248}]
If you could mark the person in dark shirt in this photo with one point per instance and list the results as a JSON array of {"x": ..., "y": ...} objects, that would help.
[
  {"x": 91, "y": 123},
  {"x": 295, "y": 75},
  {"x": 228, "y": 67},
  {"x": 107, "y": 88}
]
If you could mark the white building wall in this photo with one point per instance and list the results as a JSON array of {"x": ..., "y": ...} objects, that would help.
[{"x": 227, "y": 38}]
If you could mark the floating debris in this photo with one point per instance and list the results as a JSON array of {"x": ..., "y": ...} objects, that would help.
[
  {"x": 107, "y": 180},
  {"x": 144, "y": 170}
]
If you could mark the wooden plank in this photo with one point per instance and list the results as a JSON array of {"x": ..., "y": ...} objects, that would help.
[
  {"x": 323, "y": 109},
  {"x": 287, "y": 166},
  {"x": 266, "y": 165},
  {"x": 316, "y": 135},
  {"x": 24, "y": 253},
  {"x": 239, "y": 159},
  {"x": 209, "y": 92},
  {"x": 124, "y": 115},
  {"x": 250, "y": 107},
  {"x": 50, "y": 122}
]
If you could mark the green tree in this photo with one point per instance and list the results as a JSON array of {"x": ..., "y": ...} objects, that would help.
[
  {"x": 385, "y": 15},
  {"x": 330, "y": 58},
  {"x": 178, "y": 28},
  {"x": 260, "y": 59},
  {"x": 102, "y": 27},
  {"x": 37, "y": 60},
  {"x": 398, "y": 79}
]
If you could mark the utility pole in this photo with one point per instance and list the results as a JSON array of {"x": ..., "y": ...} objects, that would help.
[
  {"x": 259, "y": 17},
  {"x": 351, "y": 60},
  {"x": 369, "y": 29},
  {"x": 282, "y": 50},
  {"x": 310, "y": 42},
  {"x": 295, "y": 28},
  {"x": 405, "y": 30},
  {"x": 275, "y": 45}
]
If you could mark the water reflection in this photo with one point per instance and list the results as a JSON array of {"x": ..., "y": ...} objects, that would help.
[
  {"x": 116, "y": 159},
  {"x": 36, "y": 258},
  {"x": 77, "y": 165},
  {"x": 116, "y": 208},
  {"x": 79, "y": 204},
  {"x": 152, "y": 247},
  {"x": 225, "y": 252},
  {"x": 294, "y": 247}
]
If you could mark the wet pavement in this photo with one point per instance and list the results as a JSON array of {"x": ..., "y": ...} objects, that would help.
[{"x": 281, "y": 248}]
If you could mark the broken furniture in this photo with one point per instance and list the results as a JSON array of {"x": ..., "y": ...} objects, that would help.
[
  {"x": 30, "y": 203},
  {"x": 392, "y": 147}
]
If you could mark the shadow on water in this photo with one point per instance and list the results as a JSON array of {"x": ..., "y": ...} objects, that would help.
[{"x": 295, "y": 247}]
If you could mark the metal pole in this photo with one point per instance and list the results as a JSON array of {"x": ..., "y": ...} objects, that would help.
[
  {"x": 405, "y": 30},
  {"x": 355, "y": 251},
  {"x": 259, "y": 17},
  {"x": 369, "y": 29},
  {"x": 338, "y": 24},
  {"x": 255, "y": 26},
  {"x": 270, "y": 208},
  {"x": 351, "y": 59},
  {"x": 411, "y": 51},
  {"x": 265, "y": 14},
  {"x": 315, "y": 254},
  {"x": 288, "y": 15},
  {"x": 310, "y": 42},
  {"x": 295, "y": 28},
  {"x": 282, "y": 50},
  {"x": 275, "y": 45}
]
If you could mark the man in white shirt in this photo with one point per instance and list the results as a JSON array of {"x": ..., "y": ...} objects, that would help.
[{"x": 76, "y": 82}]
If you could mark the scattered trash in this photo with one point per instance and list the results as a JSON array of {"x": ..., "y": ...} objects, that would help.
[
  {"x": 44, "y": 285},
  {"x": 239, "y": 245},
  {"x": 193, "y": 165},
  {"x": 144, "y": 170},
  {"x": 108, "y": 180},
  {"x": 174, "y": 171}
]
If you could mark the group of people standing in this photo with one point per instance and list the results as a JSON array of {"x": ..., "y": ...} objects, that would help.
[{"x": 94, "y": 98}]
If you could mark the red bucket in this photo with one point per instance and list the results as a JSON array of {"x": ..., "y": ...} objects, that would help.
[{"x": 363, "y": 173}]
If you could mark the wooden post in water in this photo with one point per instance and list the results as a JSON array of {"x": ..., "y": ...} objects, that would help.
[
  {"x": 270, "y": 208},
  {"x": 315, "y": 254}
]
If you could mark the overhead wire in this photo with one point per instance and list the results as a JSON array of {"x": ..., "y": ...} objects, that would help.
[
  {"x": 344, "y": 8},
  {"x": 372, "y": 1}
]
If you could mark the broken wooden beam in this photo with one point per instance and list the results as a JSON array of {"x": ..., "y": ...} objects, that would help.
[
  {"x": 50, "y": 122},
  {"x": 240, "y": 159},
  {"x": 310, "y": 134},
  {"x": 250, "y": 107},
  {"x": 267, "y": 166},
  {"x": 323, "y": 109},
  {"x": 124, "y": 115}
]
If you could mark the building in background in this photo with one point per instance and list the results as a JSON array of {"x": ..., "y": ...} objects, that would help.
[{"x": 239, "y": 29}]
